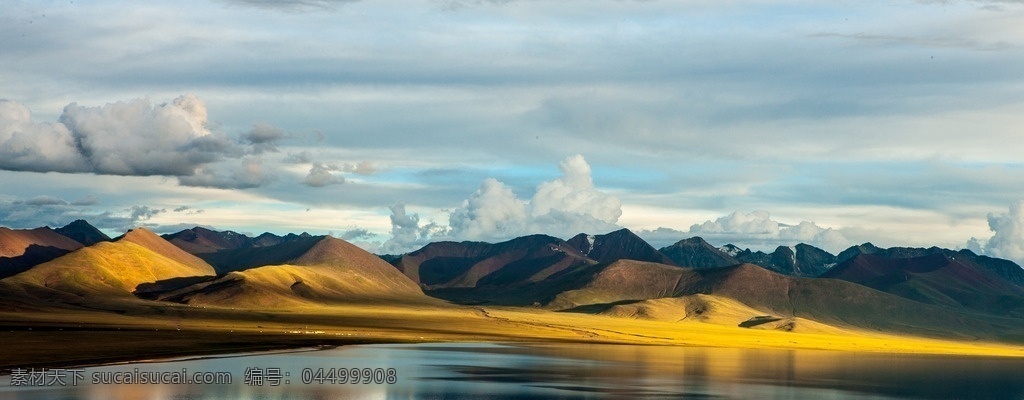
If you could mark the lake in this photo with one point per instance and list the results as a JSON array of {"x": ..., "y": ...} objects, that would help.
[{"x": 516, "y": 371}]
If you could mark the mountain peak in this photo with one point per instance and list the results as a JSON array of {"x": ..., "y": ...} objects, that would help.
[
  {"x": 622, "y": 233},
  {"x": 696, "y": 240},
  {"x": 617, "y": 245},
  {"x": 22, "y": 248},
  {"x": 138, "y": 233},
  {"x": 146, "y": 238},
  {"x": 81, "y": 231},
  {"x": 329, "y": 249},
  {"x": 200, "y": 240},
  {"x": 694, "y": 252}
]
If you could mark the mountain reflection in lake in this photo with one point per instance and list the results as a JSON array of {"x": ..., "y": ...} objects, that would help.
[{"x": 490, "y": 371}]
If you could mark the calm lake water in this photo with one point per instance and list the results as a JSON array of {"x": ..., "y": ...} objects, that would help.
[{"x": 493, "y": 371}]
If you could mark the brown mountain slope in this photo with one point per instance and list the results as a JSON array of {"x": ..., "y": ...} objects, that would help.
[
  {"x": 330, "y": 271},
  {"x": 830, "y": 301},
  {"x": 20, "y": 249},
  {"x": 935, "y": 279},
  {"x": 106, "y": 269},
  {"x": 470, "y": 264}
]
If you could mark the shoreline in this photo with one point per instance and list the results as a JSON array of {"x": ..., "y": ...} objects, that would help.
[
  {"x": 63, "y": 338},
  {"x": 258, "y": 350}
]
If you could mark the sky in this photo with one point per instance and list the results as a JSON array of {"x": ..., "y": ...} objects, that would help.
[{"x": 395, "y": 123}]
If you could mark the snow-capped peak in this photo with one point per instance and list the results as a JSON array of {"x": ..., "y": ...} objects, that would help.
[{"x": 729, "y": 249}]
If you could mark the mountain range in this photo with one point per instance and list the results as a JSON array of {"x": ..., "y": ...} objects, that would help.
[{"x": 917, "y": 291}]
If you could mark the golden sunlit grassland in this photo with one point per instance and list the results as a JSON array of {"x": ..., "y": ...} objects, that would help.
[{"x": 146, "y": 330}]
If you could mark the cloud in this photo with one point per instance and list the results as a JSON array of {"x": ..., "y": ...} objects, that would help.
[
  {"x": 1008, "y": 240},
  {"x": 45, "y": 201},
  {"x": 89, "y": 200},
  {"x": 248, "y": 173},
  {"x": 264, "y": 137},
  {"x": 40, "y": 147},
  {"x": 302, "y": 157},
  {"x": 455, "y": 5},
  {"x": 357, "y": 233},
  {"x": 320, "y": 175},
  {"x": 492, "y": 211},
  {"x": 292, "y": 5},
  {"x": 574, "y": 193},
  {"x": 406, "y": 233},
  {"x": 362, "y": 168},
  {"x": 134, "y": 138},
  {"x": 753, "y": 223},
  {"x": 756, "y": 230},
  {"x": 565, "y": 206},
  {"x": 142, "y": 213},
  {"x": 54, "y": 212}
]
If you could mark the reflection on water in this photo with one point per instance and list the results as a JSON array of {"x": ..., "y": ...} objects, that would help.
[{"x": 489, "y": 371}]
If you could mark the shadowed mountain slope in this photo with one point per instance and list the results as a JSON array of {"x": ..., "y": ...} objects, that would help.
[
  {"x": 1006, "y": 269},
  {"x": 200, "y": 240},
  {"x": 20, "y": 249},
  {"x": 470, "y": 264},
  {"x": 528, "y": 262},
  {"x": 800, "y": 260},
  {"x": 251, "y": 257},
  {"x": 696, "y": 253},
  {"x": 622, "y": 244},
  {"x": 935, "y": 279}
]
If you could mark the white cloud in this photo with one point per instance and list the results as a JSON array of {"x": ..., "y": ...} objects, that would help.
[
  {"x": 26, "y": 145},
  {"x": 574, "y": 193},
  {"x": 756, "y": 230},
  {"x": 562, "y": 207},
  {"x": 492, "y": 212},
  {"x": 754, "y": 223},
  {"x": 136, "y": 138},
  {"x": 1008, "y": 240},
  {"x": 565, "y": 206},
  {"x": 406, "y": 233}
]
